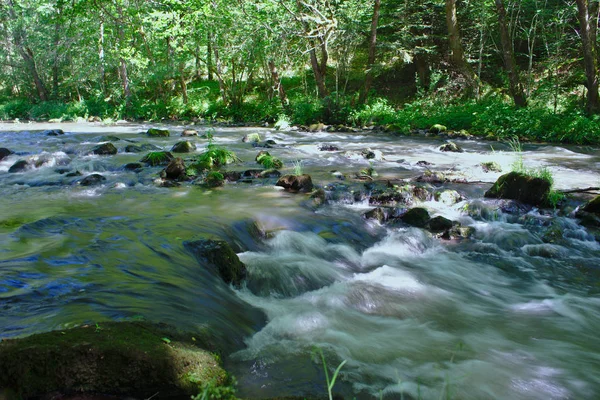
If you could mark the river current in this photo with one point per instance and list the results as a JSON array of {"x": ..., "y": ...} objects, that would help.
[{"x": 504, "y": 314}]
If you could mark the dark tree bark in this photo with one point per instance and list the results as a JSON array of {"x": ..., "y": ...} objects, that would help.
[
  {"x": 372, "y": 47},
  {"x": 457, "y": 54},
  {"x": 514, "y": 85},
  {"x": 278, "y": 86},
  {"x": 588, "y": 42},
  {"x": 209, "y": 62}
]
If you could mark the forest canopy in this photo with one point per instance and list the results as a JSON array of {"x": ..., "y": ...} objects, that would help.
[{"x": 525, "y": 68}]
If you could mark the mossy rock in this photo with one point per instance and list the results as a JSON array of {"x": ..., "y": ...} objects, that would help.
[
  {"x": 416, "y": 217},
  {"x": 92, "y": 180},
  {"x": 155, "y": 158},
  {"x": 183, "y": 147},
  {"x": 491, "y": 166},
  {"x": 593, "y": 206},
  {"x": 451, "y": 147},
  {"x": 437, "y": 128},
  {"x": 520, "y": 187},
  {"x": 448, "y": 197},
  {"x": 251, "y": 137},
  {"x": 105, "y": 149},
  {"x": 440, "y": 224},
  {"x": 218, "y": 254},
  {"x": 296, "y": 183},
  {"x": 154, "y": 132},
  {"x": 133, "y": 148},
  {"x": 135, "y": 359}
]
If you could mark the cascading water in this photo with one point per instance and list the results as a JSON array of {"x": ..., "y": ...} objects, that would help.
[{"x": 505, "y": 314}]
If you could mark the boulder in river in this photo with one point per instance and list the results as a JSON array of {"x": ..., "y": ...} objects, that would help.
[
  {"x": 437, "y": 128},
  {"x": 448, "y": 197},
  {"x": 155, "y": 158},
  {"x": 379, "y": 214},
  {"x": 126, "y": 359},
  {"x": 416, "y": 217},
  {"x": 183, "y": 147},
  {"x": 92, "y": 180},
  {"x": 218, "y": 254},
  {"x": 105, "y": 149},
  {"x": 20, "y": 166},
  {"x": 251, "y": 137},
  {"x": 439, "y": 224},
  {"x": 189, "y": 132},
  {"x": 53, "y": 132},
  {"x": 593, "y": 206},
  {"x": 134, "y": 148},
  {"x": 521, "y": 187},
  {"x": 451, "y": 147},
  {"x": 133, "y": 166},
  {"x": 4, "y": 152},
  {"x": 154, "y": 132},
  {"x": 176, "y": 169},
  {"x": 296, "y": 183},
  {"x": 491, "y": 166}
]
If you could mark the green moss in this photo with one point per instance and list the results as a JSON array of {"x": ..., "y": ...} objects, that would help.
[
  {"x": 11, "y": 223},
  {"x": 153, "y": 132},
  {"x": 438, "y": 128},
  {"x": 155, "y": 158},
  {"x": 115, "y": 358}
]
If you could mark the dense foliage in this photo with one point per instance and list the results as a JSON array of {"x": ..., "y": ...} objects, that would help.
[{"x": 463, "y": 64}]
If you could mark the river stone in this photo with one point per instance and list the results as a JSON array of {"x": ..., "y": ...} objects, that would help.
[
  {"x": 491, "y": 166},
  {"x": 19, "y": 166},
  {"x": 176, "y": 169},
  {"x": 128, "y": 359},
  {"x": 448, "y": 197},
  {"x": 92, "y": 180},
  {"x": 251, "y": 137},
  {"x": 330, "y": 147},
  {"x": 53, "y": 132},
  {"x": 109, "y": 138},
  {"x": 438, "y": 128},
  {"x": 4, "y": 152},
  {"x": 183, "y": 147},
  {"x": 440, "y": 224},
  {"x": 416, "y": 217},
  {"x": 520, "y": 187},
  {"x": 270, "y": 173},
  {"x": 189, "y": 132},
  {"x": 135, "y": 166},
  {"x": 132, "y": 148},
  {"x": 296, "y": 183},
  {"x": 451, "y": 147},
  {"x": 73, "y": 174},
  {"x": 154, "y": 132},
  {"x": 105, "y": 149},
  {"x": 261, "y": 154},
  {"x": 377, "y": 213},
  {"x": 458, "y": 232},
  {"x": 218, "y": 254},
  {"x": 157, "y": 158},
  {"x": 593, "y": 206}
]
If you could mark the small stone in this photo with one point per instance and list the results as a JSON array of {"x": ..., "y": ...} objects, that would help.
[
  {"x": 105, "y": 149},
  {"x": 451, "y": 147},
  {"x": 92, "y": 180},
  {"x": 19, "y": 166},
  {"x": 189, "y": 132},
  {"x": 416, "y": 217},
  {"x": 154, "y": 132},
  {"x": 183, "y": 147}
]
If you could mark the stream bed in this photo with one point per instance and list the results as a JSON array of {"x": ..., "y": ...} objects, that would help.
[{"x": 504, "y": 314}]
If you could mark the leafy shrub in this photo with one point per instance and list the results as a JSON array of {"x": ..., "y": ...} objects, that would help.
[
  {"x": 18, "y": 108},
  {"x": 379, "y": 112}
]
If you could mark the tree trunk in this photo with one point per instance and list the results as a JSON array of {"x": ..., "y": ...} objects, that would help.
[
  {"x": 278, "y": 86},
  {"x": 25, "y": 52},
  {"x": 588, "y": 41},
  {"x": 514, "y": 86},
  {"x": 102, "y": 62},
  {"x": 457, "y": 54},
  {"x": 182, "y": 83},
  {"x": 219, "y": 69},
  {"x": 372, "y": 47},
  {"x": 209, "y": 63},
  {"x": 317, "y": 72}
]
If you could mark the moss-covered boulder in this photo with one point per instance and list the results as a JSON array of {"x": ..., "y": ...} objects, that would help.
[
  {"x": 448, "y": 197},
  {"x": 219, "y": 255},
  {"x": 438, "y": 128},
  {"x": 379, "y": 214},
  {"x": 593, "y": 206},
  {"x": 451, "y": 147},
  {"x": 133, "y": 148},
  {"x": 4, "y": 152},
  {"x": 105, "y": 149},
  {"x": 251, "y": 138},
  {"x": 521, "y": 187},
  {"x": 491, "y": 166},
  {"x": 154, "y": 132},
  {"x": 135, "y": 359},
  {"x": 183, "y": 147},
  {"x": 439, "y": 224},
  {"x": 296, "y": 183},
  {"x": 416, "y": 217}
]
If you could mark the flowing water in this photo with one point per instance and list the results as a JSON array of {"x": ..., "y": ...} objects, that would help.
[{"x": 502, "y": 315}]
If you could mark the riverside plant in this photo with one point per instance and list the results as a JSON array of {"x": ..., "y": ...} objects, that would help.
[
  {"x": 269, "y": 162},
  {"x": 298, "y": 170},
  {"x": 214, "y": 157}
]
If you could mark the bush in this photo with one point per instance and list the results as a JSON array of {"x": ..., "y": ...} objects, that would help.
[{"x": 18, "y": 108}]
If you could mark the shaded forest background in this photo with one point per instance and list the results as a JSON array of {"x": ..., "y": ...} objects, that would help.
[{"x": 495, "y": 68}]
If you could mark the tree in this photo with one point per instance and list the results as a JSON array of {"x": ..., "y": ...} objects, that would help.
[
  {"x": 372, "y": 48},
  {"x": 514, "y": 85},
  {"x": 587, "y": 20}
]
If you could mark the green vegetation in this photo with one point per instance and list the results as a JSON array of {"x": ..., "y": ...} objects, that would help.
[
  {"x": 214, "y": 179},
  {"x": 155, "y": 158},
  {"x": 268, "y": 161},
  {"x": 213, "y": 158},
  {"x": 298, "y": 169},
  {"x": 502, "y": 69},
  {"x": 330, "y": 381}
]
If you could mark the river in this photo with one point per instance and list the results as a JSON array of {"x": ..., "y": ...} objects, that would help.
[{"x": 501, "y": 315}]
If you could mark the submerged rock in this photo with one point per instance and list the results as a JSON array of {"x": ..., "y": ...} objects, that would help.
[
  {"x": 439, "y": 224},
  {"x": 105, "y": 149},
  {"x": 379, "y": 214},
  {"x": 133, "y": 166},
  {"x": 296, "y": 183},
  {"x": 133, "y": 148},
  {"x": 183, "y": 147},
  {"x": 109, "y": 138},
  {"x": 328, "y": 147},
  {"x": 4, "y": 152},
  {"x": 92, "y": 180},
  {"x": 20, "y": 166},
  {"x": 154, "y": 132},
  {"x": 521, "y": 187},
  {"x": 219, "y": 255},
  {"x": 118, "y": 358},
  {"x": 416, "y": 217}
]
